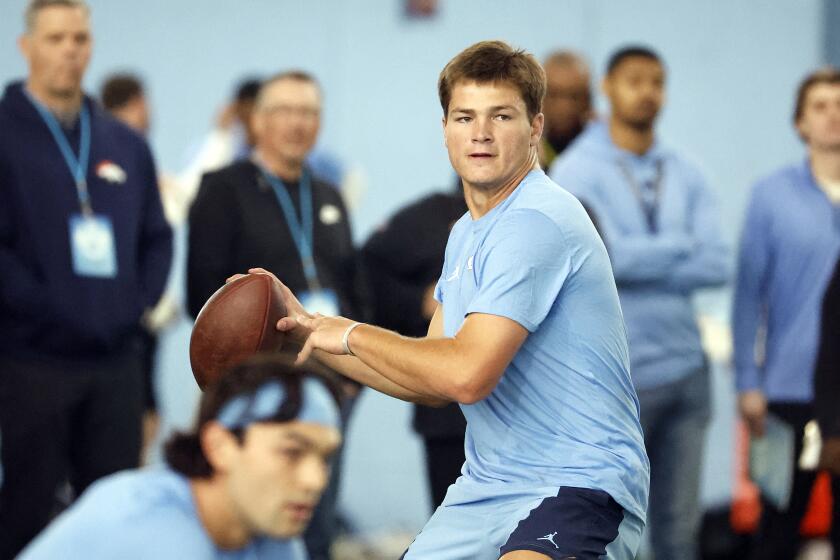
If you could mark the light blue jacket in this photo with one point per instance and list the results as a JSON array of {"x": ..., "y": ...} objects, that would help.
[
  {"x": 789, "y": 246},
  {"x": 656, "y": 271}
]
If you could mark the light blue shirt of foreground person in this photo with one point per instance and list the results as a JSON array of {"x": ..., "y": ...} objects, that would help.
[
  {"x": 143, "y": 515},
  {"x": 564, "y": 412},
  {"x": 789, "y": 247},
  {"x": 657, "y": 268}
]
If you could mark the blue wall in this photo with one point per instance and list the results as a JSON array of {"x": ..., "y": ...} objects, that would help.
[{"x": 733, "y": 67}]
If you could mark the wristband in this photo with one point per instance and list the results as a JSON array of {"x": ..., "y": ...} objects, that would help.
[{"x": 345, "y": 340}]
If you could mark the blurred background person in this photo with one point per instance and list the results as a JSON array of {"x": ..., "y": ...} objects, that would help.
[
  {"x": 241, "y": 484},
  {"x": 567, "y": 105},
  {"x": 272, "y": 211},
  {"x": 789, "y": 245},
  {"x": 402, "y": 299},
  {"x": 659, "y": 222},
  {"x": 85, "y": 251},
  {"x": 124, "y": 96},
  {"x": 826, "y": 393}
]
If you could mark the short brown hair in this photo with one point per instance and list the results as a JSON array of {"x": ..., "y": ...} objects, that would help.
[
  {"x": 36, "y": 6},
  {"x": 495, "y": 62},
  {"x": 826, "y": 75}
]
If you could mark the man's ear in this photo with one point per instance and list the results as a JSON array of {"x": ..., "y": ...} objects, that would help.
[
  {"x": 220, "y": 447},
  {"x": 443, "y": 125},
  {"x": 23, "y": 45},
  {"x": 537, "y": 125}
]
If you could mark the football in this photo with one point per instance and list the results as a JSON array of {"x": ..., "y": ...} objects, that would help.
[{"x": 236, "y": 322}]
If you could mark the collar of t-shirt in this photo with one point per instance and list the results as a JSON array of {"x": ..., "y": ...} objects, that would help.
[{"x": 830, "y": 188}]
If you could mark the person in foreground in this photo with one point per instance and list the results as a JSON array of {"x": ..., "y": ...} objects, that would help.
[
  {"x": 241, "y": 485},
  {"x": 527, "y": 336}
]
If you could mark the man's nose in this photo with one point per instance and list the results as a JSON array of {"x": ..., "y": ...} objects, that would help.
[
  {"x": 313, "y": 476},
  {"x": 482, "y": 131}
]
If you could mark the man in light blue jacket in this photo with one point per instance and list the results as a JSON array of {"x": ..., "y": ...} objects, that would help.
[{"x": 659, "y": 222}]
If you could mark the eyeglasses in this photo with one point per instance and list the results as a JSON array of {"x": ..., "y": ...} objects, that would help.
[{"x": 287, "y": 111}]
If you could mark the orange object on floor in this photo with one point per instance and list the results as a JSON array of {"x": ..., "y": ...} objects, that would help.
[
  {"x": 817, "y": 520},
  {"x": 746, "y": 498}
]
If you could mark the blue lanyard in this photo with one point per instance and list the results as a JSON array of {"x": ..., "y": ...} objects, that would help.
[
  {"x": 301, "y": 229},
  {"x": 648, "y": 194},
  {"x": 77, "y": 166}
]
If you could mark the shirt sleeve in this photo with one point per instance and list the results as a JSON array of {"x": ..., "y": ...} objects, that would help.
[
  {"x": 156, "y": 237},
  {"x": 707, "y": 264},
  {"x": 212, "y": 230},
  {"x": 22, "y": 291},
  {"x": 521, "y": 268},
  {"x": 749, "y": 297}
]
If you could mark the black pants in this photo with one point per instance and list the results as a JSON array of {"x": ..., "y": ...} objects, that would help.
[
  {"x": 778, "y": 531},
  {"x": 73, "y": 421},
  {"x": 444, "y": 459}
]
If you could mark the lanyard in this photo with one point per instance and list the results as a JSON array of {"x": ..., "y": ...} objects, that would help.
[
  {"x": 650, "y": 206},
  {"x": 77, "y": 166},
  {"x": 301, "y": 230}
]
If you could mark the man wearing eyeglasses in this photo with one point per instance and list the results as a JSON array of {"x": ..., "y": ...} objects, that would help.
[{"x": 271, "y": 211}]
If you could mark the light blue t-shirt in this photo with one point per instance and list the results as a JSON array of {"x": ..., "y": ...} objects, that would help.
[
  {"x": 143, "y": 514},
  {"x": 565, "y": 412}
]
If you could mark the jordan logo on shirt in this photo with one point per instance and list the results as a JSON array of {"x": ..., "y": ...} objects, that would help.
[
  {"x": 455, "y": 275},
  {"x": 550, "y": 538}
]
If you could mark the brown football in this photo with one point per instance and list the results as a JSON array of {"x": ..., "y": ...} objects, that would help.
[{"x": 236, "y": 322}]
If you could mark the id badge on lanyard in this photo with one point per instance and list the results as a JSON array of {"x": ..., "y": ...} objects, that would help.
[
  {"x": 92, "y": 245},
  {"x": 316, "y": 299}
]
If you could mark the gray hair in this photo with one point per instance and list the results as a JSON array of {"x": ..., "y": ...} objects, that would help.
[{"x": 36, "y": 6}]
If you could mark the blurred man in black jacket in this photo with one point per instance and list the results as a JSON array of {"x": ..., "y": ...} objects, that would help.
[
  {"x": 403, "y": 260},
  {"x": 827, "y": 392},
  {"x": 271, "y": 211}
]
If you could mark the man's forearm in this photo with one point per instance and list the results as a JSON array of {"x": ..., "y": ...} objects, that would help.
[
  {"x": 353, "y": 368},
  {"x": 436, "y": 367}
]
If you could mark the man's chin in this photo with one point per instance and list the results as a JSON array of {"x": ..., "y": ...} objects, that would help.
[{"x": 65, "y": 92}]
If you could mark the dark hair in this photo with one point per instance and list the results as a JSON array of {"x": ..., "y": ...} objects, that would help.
[
  {"x": 248, "y": 89},
  {"x": 183, "y": 451},
  {"x": 827, "y": 75},
  {"x": 631, "y": 51},
  {"x": 119, "y": 89},
  {"x": 495, "y": 62},
  {"x": 295, "y": 75}
]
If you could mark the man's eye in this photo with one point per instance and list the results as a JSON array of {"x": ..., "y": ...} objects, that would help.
[
  {"x": 292, "y": 453},
  {"x": 503, "y": 117},
  {"x": 463, "y": 119}
]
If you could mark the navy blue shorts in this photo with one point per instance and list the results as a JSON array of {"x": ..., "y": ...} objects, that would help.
[
  {"x": 484, "y": 522},
  {"x": 578, "y": 523}
]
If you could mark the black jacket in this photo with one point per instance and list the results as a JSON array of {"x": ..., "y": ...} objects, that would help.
[
  {"x": 45, "y": 308},
  {"x": 401, "y": 260},
  {"x": 236, "y": 223},
  {"x": 827, "y": 374}
]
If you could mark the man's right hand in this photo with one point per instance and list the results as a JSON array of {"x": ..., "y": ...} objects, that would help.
[
  {"x": 753, "y": 408},
  {"x": 290, "y": 324}
]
